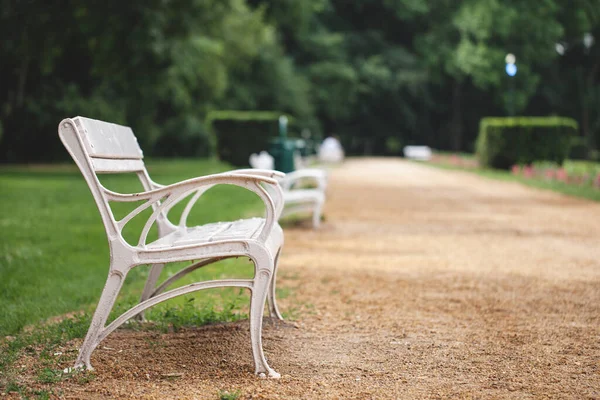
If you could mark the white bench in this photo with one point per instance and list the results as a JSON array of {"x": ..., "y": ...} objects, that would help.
[
  {"x": 296, "y": 198},
  {"x": 101, "y": 147},
  {"x": 421, "y": 153},
  {"x": 331, "y": 151}
]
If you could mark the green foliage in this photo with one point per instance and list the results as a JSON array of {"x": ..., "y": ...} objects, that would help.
[
  {"x": 174, "y": 318},
  {"x": 48, "y": 375},
  {"x": 160, "y": 75},
  {"x": 227, "y": 395},
  {"x": 243, "y": 115},
  {"x": 579, "y": 149},
  {"x": 589, "y": 168},
  {"x": 422, "y": 72},
  {"x": 241, "y": 133},
  {"x": 504, "y": 142},
  {"x": 393, "y": 145},
  {"x": 14, "y": 387},
  {"x": 187, "y": 136}
]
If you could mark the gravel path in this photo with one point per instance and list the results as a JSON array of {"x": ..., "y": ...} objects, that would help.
[{"x": 422, "y": 283}]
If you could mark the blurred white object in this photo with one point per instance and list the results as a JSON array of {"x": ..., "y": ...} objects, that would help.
[
  {"x": 262, "y": 161},
  {"x": 299, "y": 162},
  {"x": 422, "y": 153},
  {"x": 331, "y": 151},
  {"x": 295, "y": 198}
]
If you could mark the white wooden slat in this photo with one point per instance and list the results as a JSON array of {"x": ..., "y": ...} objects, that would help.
[
  {"x": 108, "y": 140},
  {"x": 245, "y": 228},
  {"x": 111, "y": 165}
]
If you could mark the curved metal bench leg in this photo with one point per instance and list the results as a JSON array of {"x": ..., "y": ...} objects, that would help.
[
  {"x": 107, "y": 300},
  {"x": 271, "y": 298},
  {"x": 153, "y": 276},
  {"x": 260, "y": 287}
]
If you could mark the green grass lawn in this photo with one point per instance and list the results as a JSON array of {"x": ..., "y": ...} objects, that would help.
[{"x": 55, "y": 254}]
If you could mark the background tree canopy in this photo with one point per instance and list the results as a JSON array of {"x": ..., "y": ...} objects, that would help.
[{"x": 379, "y": 73}]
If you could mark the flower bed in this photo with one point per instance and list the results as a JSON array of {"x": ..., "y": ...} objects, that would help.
[
  {"x": 455, "y": 160},
  {"x": 579, "y": 173}
]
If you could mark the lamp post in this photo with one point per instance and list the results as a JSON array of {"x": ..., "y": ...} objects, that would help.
[
  {"x": 511, "y": 71},
  {"x": 283, "y": 121},
  {"x": 588, "y": 42}
]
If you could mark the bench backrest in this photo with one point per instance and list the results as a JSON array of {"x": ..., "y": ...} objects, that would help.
[
  {"x": 111, "y": 147},
  {"x": 102, "y": 147}
]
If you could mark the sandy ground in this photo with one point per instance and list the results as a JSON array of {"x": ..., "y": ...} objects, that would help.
[{"x": 422, "y": 283}]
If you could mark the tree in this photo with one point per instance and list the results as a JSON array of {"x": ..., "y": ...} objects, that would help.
[
  {"x": 156, "y": 65},
  {"x": 379, "y": 73}
]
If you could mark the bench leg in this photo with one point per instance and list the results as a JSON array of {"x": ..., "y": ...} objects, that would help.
[
  {"x": 316, "y": 220},
  {"x": 153, "y": 276},
  {"x": 260, "y": 287},
  {"x": 107, "y": 300},
  {"x": 271, "y": 299}
]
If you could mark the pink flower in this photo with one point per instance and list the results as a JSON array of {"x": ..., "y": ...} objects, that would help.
[
  {"x": 528, "y": 171},
  {"x": 516, "y": 170},
  {"x": 586, "y": 178},
  {"x": 549, "y": 174},
  {"x": 597, "y": 181},
  {"x": 562, "y": 175}
]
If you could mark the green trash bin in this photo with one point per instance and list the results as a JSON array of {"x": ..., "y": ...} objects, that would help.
[{"x": 282, "y": 151}]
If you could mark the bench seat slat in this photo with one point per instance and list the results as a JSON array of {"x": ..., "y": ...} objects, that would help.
[{"x": 241, "y": 229}]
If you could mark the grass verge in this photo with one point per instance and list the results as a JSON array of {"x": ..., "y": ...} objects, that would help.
[{"x": 586, "y": 192}]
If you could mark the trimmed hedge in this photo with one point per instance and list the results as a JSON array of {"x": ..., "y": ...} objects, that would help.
[
  {"x": 579, "y": 149},
  {"x": 241, "y": 133},
  {"x": 504, "y": 142}
]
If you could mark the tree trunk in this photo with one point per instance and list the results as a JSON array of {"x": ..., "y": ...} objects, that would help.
[
  {"x": 22, "y": 80},
  {"x": 456, "y": 126},
  {"x": 585, "y": 109}
]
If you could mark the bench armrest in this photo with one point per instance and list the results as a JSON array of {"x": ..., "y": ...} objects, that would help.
[
  {"x": 269, "y": 173},
  {"x": 174, "y": 193},
  {"x": 317, "y": 175}
]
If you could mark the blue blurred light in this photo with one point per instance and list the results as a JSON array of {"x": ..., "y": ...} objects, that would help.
[{"x": 511, "y": 69}]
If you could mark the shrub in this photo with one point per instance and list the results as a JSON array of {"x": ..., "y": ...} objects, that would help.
[
  {"x": 504, "y": 142},
  {"x": 579, "y": 149},
  {"x": 241, "y": 133},
  {"x": 186, "y": 136}
]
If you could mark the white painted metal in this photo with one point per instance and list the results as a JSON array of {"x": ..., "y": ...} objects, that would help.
[
  {"x": 297, "y": 200},
  {"x": 421, "y": 153},
  {"x": 101, "y": 147},
  {"x": 304, "y": 200},
  {"x": 263, "y": 160},
  {"x": 331, "y": 151},
  {"x": 106, "y": 140}
]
